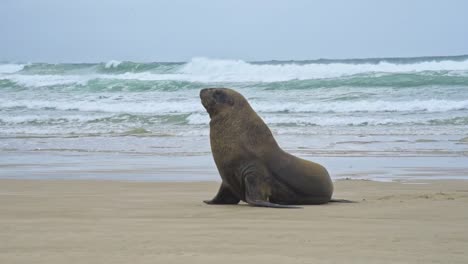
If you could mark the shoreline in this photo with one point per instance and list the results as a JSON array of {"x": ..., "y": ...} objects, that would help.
[
  {"x": 193, "y": 168},
  {"x": 218, "y": 181},
  {"x": 84, "y": 221}
]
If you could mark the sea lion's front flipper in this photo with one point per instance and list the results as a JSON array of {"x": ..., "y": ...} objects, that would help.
[
  {"x": 224, "y": 196},
  {"x": 257, "y": 190}
]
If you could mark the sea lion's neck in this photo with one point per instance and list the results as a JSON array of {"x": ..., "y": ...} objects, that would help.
[{"x": 243, "y": 127}]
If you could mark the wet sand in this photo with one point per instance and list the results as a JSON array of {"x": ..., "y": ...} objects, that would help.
[
  {"x": 65, "y": 221},
  {"x": 118, "y": 166}
]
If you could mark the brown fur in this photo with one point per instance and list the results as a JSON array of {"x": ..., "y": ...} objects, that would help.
[{"x": 252, "y": 166}]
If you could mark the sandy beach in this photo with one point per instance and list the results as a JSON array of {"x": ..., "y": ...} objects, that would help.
[
  {"x": 65, "y": 221},
  {"x": 119, "y": 118}
]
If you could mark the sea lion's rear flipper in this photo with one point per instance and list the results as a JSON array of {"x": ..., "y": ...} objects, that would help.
[
  {"x": 224, "y": 196},
  {"x": 257, "y": 191},
  {"x": 272, "y": 205}
]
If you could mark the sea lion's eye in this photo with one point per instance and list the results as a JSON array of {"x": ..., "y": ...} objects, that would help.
[{"x": 219, "y": 97}]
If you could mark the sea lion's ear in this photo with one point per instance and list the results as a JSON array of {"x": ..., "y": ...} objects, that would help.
[{"x": 222, "y": 98}]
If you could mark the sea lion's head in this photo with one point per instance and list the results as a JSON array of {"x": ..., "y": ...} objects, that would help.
[{"x": 221, "y": 100}]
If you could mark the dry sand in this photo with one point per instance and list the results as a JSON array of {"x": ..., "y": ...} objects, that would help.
[{"x": 124, "y": 222}]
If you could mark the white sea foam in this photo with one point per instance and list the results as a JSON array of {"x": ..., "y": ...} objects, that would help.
[
  {"x": 210, "y": 70},
  {"x": 44, "y": 80},
  {"x": 108, "y": 106},
  {"x": 193, "y": 105},
  {"x": 48, "y": 79},
  {"x": 54, "y": 119},
  {"x": 10, "y": 68},
  {"x": 363, "y": 106},
  {"x": 310, "y": 120},
  {"x": 215, "y": 71},
  {"x": 112, "y": 64},
  {"x": 198, "y": 119},
  {"x": 325, "y": 121}
]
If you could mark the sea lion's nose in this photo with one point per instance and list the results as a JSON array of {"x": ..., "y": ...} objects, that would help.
[{"x": 202, "y": 92}]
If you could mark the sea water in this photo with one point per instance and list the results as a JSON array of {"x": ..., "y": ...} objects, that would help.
[{"x": 329, "y": 110}]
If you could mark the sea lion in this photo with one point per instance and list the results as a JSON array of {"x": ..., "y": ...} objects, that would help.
[{"x": 252, "y": 166}]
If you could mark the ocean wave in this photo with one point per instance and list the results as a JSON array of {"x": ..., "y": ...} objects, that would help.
[
  {"x": 46, "y": 119},
  {"x": 322, "y": 121},
  {"x": 193, "y": 105},
  {"x": 106, "y": 119},
  {"x": 423, "y": 95},
  {"x": 112, "y": 64},
  {"x": 172, "y": 82},
  {"x": 363, "y": 106},
  {"x": 209, "y": 70},
  {"x": 396, "y": 80},
  {"x": 156, "y": 107},
  {"x": 119, "y": 67},
  {"x": 93, "y": 83},
  {"x": 197, "y": 124},
  {"x": 46, "y": 80},
  {"x": 110, "y": 67},
  {"x": 198, "y": 119},
  {"x": 58, "y": 69},
  {"x": 11, "y": 68}
]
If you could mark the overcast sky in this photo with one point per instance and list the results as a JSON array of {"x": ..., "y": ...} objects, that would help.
[{"x": 172, "y": 30}]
